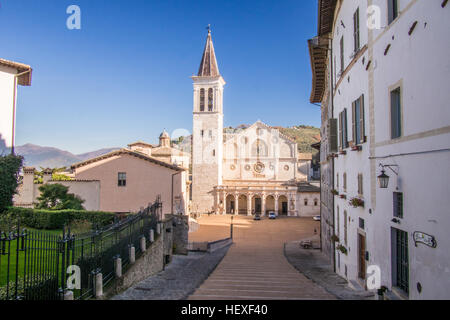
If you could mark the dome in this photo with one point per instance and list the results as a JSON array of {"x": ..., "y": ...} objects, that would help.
[{"x": 164, "y": 134}]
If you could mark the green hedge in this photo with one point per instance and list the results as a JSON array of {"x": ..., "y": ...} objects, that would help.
[{"x": 57, "y": 219}]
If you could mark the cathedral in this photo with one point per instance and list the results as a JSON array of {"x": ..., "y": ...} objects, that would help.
[{"x": 252, "y": 171}]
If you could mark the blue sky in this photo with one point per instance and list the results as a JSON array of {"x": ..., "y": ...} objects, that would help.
[{"x": 125, "y": 75}]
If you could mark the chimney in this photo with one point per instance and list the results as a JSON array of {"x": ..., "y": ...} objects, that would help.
[{"x": 47, "y": 175}]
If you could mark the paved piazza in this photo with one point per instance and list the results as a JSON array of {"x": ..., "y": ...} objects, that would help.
[{"x": 255, "y": 266}]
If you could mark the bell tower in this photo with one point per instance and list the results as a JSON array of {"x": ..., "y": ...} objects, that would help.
[{"x": 207, "y": 131}]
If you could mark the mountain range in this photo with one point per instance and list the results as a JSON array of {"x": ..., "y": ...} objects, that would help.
[{"x": 49, "y": 157}]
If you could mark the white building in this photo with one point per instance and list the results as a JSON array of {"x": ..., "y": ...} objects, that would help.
[
  {"x": 388, "y": 94},
  {"x": 12, "y": 74},
  {"x": 250, "y": 172}
]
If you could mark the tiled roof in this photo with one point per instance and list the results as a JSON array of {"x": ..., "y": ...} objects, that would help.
[
  {"x": 24, "y": 80},
  {"x": 307, "y": 187},
  {"x": 127, "y": 152}
]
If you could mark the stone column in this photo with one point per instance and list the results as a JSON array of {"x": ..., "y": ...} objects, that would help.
[
  {"x": 217, "y": 201},
  {"x": 263, "y": 205},
  {"x": 276, "y": 204},
  {"x": 98, "y": 285},
  {"x": 68, "y": 295},
  {"x": 236, "y": 204},
  {"x": 143, "y": 244},
  {"x": 152, "y": 235},
  {"x": 249, "y": 204},
  {"x": 132, "y": 255},
  {"x": 118, "y": 262}
]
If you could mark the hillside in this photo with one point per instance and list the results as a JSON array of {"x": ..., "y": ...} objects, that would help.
[{"x": 305, "y": 136}]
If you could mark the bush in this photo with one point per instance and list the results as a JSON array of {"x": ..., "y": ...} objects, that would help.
[
  {"x": 9, "y": 177},
  {"x": 56, "y": 197},
  {"x": 53, "y": 220}
]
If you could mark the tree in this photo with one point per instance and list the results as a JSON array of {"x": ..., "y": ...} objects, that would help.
[
  {"x": 56, "y": 197},
  {"x": 9, "y": 179}
]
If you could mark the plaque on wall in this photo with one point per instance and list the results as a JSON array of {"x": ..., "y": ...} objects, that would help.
[{"x": 426, "y": 239}]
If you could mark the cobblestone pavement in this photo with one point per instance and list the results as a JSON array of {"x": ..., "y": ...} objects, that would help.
[
  {"x": 255, "y": 266},
  {"x": 180, "y": 278},
  {"x": 316, "y": 267}
]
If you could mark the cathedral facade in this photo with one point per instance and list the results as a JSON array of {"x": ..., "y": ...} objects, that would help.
[{"x": 252, "y": 171}]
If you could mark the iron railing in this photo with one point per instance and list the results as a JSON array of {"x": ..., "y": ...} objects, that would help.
[{"x": 34, "y": 264}]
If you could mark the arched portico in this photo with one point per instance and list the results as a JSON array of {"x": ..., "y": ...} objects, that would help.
[
  {"x": 270, "y": 203},
  {"x": 230, "y": 204},
  {"x": 283, "y": 208},
  {"x": 257, "y": 205},
  {"x": 242, "y": 204}
]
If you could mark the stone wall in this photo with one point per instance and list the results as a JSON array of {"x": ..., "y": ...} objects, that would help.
[
  {"x": 152, "y": 261},
  {"x": 180, "y": 233}
]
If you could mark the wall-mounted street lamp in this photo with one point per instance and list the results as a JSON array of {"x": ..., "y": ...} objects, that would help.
[{"x": 383, "y": 178}]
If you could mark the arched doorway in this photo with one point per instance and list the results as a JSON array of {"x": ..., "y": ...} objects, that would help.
[
  {"x": 270, "y": 204},
  {"x": 242, "y": 204},
  {"x": 256, "y": 205},
  {"x": 230, "y": 204},
  {"x": 283, "y": 206}
]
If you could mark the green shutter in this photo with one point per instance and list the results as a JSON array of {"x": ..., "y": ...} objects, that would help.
[
  {"x": 341, "y": 140},
  {"x": 361, "y": 119},
  {"x": 354, "y": 123},
  {"x": 332, "y": 135}
]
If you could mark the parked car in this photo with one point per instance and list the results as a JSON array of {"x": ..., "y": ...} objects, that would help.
[
  {"x": 316, "y": 218},
  {"x": 257, "y": 217},
  {"x": 272, "y": 215}
]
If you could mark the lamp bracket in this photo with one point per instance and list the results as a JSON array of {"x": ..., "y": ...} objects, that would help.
[{"x": 389, "y": 166}]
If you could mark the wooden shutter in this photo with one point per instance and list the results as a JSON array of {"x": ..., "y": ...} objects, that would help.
[
  {"x": 361, "y": 120},
  {"x": 356, "y": 29},
  {"x": 332, "y": 135},
  {"x": 345, "y": 128},
  {"x": 354, "y": 123},
  {"x": 390, "y": 11},
  {"x": 341, "y": 140}
]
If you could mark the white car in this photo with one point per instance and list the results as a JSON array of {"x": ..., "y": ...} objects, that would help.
[
  {"x": 316, "y": 218},
  {"x": 272, "y": 215}
]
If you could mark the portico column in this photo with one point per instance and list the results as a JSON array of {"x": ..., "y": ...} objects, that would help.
[
  {"x": 223, "y": 207},
  {"x": 249, "y": 204},
  {"x": 276, "y": 204},
  {"x": 236, "y": 204},
  {"x": 217, "y": 201},
  {"x": 263, "y": 200}
]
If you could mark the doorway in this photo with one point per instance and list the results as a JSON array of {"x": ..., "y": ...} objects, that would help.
[{"x": 361, "y": 256}]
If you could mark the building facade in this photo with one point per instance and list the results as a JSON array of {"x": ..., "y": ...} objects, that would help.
[
  {"x": 251, "y": 172},
  {"x": 387, "y": 69},
  {"x": 12, "y": 74},
  {"x": 121, "y": 181}
]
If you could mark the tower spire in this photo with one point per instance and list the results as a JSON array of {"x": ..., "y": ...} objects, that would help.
[{"x": 208, "y": 66}]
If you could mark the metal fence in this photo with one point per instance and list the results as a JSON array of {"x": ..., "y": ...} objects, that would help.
[{"x": 34, "y": 264}]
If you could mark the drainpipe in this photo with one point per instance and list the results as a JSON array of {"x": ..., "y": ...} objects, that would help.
[
  {"x": 332, "y": 159},
  {"x": 14, "y": 107},
  {"x": 173, "y": 175}
]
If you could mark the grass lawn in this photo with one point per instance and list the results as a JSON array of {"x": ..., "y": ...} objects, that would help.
[{"x": 40, "y": 257}]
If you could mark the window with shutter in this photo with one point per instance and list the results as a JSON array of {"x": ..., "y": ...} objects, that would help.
[
  {"x": 345, "y": 227},
  {"x": 356, "y": 30},
  {"x": 333, "y": 135},
  {"x": 354, "y": 135},
  {"x": 396, "y": 125},
  {"x": 345, "y": 129},
  {"x": 342, "y": 55},
  {"x": 398, "y": 205},
  {"x": 341, "y": 139},
  {"x": 360, "y": 184},
  {"x": 361, "y": 121},
  {"x": 345, "y": 181},
  {"x": 392, "y": 10}
]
